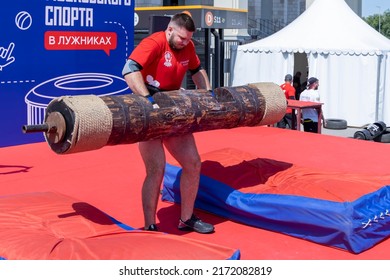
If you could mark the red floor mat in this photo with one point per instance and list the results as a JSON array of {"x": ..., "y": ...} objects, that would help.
[
  {"x": 51, "y": 226},
  {"x": 111, "y": 179}
]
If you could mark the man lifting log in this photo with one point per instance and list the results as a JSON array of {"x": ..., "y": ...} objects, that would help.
[
  {"x": 159, "y": 63},
  {"x": 159, "y": 113}
]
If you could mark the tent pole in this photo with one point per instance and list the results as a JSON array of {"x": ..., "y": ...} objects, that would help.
[{"x": 378, "y": 88}]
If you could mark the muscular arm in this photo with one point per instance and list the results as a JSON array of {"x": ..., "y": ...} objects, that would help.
[
  {"x": 136, "y": 83},
  {"x": 201, "y": 80}
]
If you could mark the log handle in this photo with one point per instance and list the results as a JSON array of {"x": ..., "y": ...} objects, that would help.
[
  {"x": 35, "y": 128},
  {"x": 54, "y": 127}
]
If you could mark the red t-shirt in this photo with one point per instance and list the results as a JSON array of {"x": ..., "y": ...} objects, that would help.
[
  {"x": 289, "y": 92},
  {"x": 164, "y": 67}
]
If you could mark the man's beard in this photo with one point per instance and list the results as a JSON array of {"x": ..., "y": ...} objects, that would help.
[{"x": 172, "y": 44}]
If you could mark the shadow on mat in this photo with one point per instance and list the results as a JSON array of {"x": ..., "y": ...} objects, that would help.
[
  {"x": 89, "y": 212},
  {"x": 244, "y": 174},
  {"x": 13, "y": 169}
]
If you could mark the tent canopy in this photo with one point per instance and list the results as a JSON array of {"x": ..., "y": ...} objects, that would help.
[
  {"x": 347, "y": 55},
  {"x": 328, "y": 26}
]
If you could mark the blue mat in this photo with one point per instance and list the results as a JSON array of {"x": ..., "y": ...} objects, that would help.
[{"x": 354, "y": 226}]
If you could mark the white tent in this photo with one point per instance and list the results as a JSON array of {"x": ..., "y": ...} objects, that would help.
[{"x": 349, "y": 57}]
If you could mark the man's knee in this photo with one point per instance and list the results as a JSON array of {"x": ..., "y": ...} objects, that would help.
[{"x": 193, "y": 165}]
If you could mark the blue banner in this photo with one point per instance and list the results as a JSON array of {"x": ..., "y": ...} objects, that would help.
[{"x": 53, "y": 48}]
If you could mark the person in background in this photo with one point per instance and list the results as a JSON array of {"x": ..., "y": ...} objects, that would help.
[
  {"x": 297, "y": 84},
  {"x": 159, "y": 63},
  {"x": 310, "y": 115},
  {"x": 289, "y": 92}
]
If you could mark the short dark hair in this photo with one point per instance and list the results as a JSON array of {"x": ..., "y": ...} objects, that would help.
[
  {"x": 184, "y": 20},
  {"x": 311, "y": 81}
]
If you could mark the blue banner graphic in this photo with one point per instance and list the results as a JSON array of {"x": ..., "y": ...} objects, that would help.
[{"x": 53, "y": 48}]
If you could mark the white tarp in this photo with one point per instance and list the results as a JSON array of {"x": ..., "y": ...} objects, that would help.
[{"x": 348, "y": 56}]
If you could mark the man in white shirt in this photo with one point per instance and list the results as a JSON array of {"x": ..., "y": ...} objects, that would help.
[{"x": 310, "y": 115}]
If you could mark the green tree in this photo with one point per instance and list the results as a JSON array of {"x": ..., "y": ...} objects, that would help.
[{"x": 383, "y": 19}]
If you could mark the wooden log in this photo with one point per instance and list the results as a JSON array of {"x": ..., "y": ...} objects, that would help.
[{"x": 92, "y": 122}]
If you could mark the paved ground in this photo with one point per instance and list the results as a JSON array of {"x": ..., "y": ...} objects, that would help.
[{"x": 348, "y": 132}]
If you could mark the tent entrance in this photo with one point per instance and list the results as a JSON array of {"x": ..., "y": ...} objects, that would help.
[{"x": 300, "y": 65}]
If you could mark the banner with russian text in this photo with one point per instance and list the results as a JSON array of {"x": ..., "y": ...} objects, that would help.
[{"x": 53, "y": 48}]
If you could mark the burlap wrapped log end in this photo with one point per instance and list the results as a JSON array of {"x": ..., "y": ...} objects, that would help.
[
  {"x": 275, "y": 102},
  {"x": 92, "y": 122}
]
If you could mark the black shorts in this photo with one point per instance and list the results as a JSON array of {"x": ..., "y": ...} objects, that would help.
[{"x": 310, "y": 126}]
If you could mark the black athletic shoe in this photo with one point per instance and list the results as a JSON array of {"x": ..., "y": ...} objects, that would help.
[
  {"x": 152, "y": 227},
  {"x": 195, "y": 224}
]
